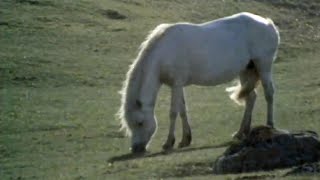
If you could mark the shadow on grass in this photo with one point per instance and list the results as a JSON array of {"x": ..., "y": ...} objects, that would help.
[{"x": 131, "y": 156}]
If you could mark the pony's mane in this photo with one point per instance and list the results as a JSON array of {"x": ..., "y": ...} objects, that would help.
[{"x": 132, "y": 83}]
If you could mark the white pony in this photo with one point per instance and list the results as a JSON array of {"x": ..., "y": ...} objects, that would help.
[{"x": 207, "y": 54}]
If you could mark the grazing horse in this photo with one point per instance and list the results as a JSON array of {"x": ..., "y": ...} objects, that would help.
[{"x": 243, "y": 45}]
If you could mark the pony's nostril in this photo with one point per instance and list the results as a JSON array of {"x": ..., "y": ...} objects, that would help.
[
  {"x": 140, "y": 124},
  {"x": 138, "y": 148}
]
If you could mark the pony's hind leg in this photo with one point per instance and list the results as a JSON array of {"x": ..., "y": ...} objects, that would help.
[
  {"x": 267, "y": 83},
  {"x": 264, "y": 67},
  {"x": 176, "y": 93},
  {"x": 248, "y": 82},
  {"x": 186, "y": 130}
]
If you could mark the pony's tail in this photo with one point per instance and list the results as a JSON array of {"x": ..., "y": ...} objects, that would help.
[{"x": 249, "y": 82}]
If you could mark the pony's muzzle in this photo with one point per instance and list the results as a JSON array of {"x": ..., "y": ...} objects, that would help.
[{"x": 138, "y": 148}]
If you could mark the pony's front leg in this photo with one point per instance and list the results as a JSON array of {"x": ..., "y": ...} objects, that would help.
[
  {"x": 246, "y": 120},
  {"x": 186, "y": 130},
  {"x": 176, "y": 93}
]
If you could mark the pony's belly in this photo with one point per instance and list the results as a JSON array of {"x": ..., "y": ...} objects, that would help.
[{"x": 212, "y": 79}]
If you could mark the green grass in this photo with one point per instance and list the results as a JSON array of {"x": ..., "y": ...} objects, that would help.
[{"x": 63, "y": 62}]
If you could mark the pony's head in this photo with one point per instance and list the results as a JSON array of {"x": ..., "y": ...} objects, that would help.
[
  {"x": 137, "y": 116},
  {"x": 140, "y": 123}
]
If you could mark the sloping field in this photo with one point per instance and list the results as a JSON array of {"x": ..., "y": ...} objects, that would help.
[{"x": 62, "y": 63}]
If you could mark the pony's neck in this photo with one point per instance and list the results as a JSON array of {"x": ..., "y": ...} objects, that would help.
[
  {"x": 149, "y": 87},
  {"x": 144, "y": 85}
]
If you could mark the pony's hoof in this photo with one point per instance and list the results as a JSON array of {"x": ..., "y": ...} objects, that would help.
[
  {"x": 186, "y": 141},
  {"x": 167, "y": 147},
  {"x": 238, "y": 136},
  {"x": 183, "y": 144}
]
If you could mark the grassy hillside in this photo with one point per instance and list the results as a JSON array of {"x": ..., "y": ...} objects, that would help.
[{"x": 62, "y": 63}]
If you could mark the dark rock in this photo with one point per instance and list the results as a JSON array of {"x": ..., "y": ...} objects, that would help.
[
  {"x": 266, "y": 148},
  {"x": 308, "y": 168}
]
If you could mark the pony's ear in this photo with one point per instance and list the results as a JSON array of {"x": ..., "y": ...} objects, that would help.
[{"x": 138, "y": 103}]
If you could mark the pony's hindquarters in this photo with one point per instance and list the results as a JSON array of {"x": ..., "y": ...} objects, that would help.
[{"x": 264, "y": 40}]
